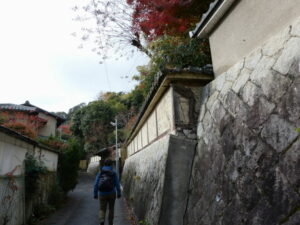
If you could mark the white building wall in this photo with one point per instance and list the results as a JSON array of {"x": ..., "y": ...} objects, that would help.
[
  {"x": 50, "y": 128},
  {"x": 49, "y": 159},
  {"x": 160, "y": 121},
  {"x": 11, "y": 158},
  {"x": 152, "y": 129},
  {"x": 139, "y": 137},
  {"x": 13, "y": 151},
  {"x": 145, "y": 135},
  {"x": 249, "y": 24},
  {"x": 165, "y": 113},
  {"x": 12, "y": 155}
]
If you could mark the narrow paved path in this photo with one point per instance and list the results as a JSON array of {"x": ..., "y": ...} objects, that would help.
[{"x": 82, "y": 209}]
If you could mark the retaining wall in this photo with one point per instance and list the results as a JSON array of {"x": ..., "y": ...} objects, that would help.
[
  {"x": 246, "y": 169},
  {"x": 155, "y": 180}
]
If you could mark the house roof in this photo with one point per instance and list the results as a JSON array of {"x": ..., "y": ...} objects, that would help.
[
  {"x": 211, "y": 18},
  {"x": 28, "y": 107},
  {"x": 162, "y": 81},
  {"x": 15, "y": 107},
  {"x": 59, "y": 119}
]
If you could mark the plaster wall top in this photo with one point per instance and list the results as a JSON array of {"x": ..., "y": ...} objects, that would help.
[{"x": 244, "y": 26}]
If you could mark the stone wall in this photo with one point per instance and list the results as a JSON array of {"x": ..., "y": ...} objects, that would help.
[
  {"x": 246, "y": 169},
  {"x": 156, "y": 176},
  {"x": 156, "y": 180},
  {"x": 143, "y": 179},
  {"x": 12, "y": 200},
  {"x": 40, "y": 198}
]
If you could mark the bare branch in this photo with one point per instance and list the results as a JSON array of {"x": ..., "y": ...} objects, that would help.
[{"x": 107, "y": 25}]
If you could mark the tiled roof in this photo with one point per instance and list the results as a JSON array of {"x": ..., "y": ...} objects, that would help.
[
  {"x": 59, "y": 119},
  {"x": 217, "y": 11},
  {"x": 206, "y": 16},
  {"x": 17, "y": 107},
  {"x": 27, "y": 107}
]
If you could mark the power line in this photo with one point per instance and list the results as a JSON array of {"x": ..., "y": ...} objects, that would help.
[
  {"x": 102, "y": 47},
  {"x": 106, "y": 74}
]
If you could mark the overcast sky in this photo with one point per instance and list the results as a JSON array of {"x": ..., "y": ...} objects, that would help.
[{"x": 40, "y": 60}]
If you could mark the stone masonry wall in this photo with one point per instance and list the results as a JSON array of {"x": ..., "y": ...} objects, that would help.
[
  {"x": 143, "y": 180},
  {"x": 156, "y": 180},
  {"x": 246, "y": 168}
]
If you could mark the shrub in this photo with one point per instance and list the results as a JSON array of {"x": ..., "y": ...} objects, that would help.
[
  {"x": 68, "y": 164},
  {"x": 33, "y": 170},
  {"x": 144, "y": 222},
  {"x": 56, "y": 196},
  {"x": 42, "y": 211},
  {"x": 52, "y": 142}
]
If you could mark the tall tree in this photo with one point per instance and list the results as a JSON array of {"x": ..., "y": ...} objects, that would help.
[
  {"x": 92, "y": 124},
  {"x": 173, "y": 17}
]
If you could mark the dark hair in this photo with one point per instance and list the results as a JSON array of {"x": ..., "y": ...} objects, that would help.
[{"x": 108, "y": 162}]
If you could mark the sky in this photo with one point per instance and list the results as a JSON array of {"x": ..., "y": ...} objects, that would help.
[{"x": 40, "y": 60}]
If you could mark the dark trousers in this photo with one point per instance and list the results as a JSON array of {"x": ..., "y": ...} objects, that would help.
[{"x": 107, "y": 200}]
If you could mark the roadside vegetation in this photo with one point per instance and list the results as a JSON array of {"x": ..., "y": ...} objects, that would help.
[{"x": 157, "y": 28}]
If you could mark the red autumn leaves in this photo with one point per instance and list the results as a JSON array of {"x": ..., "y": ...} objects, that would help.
[
  {"x": 173, "y": 17},
  {"x": 26, "y": 124}
]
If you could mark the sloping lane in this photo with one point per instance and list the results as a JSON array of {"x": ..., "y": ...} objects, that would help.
[{"x": 82, "y": 209}]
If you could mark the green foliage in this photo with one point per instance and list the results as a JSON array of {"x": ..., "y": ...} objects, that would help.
[
  {"x": 33, "y": 170},
  {"x": 146, "y": 77},
  {"x": 180, "y": 52},
  {"x": 68, "y": 165},
  {"x": 298, "y": 130},
  {"x": 92, "y": 123},
  {"x": 56, "y": 196},
  {"x": 71, "y": 151},
  {"x": 39, "y": 213},
  {"x": 171, "y": 52},
  {"x": 2, "y": 119},
  {"x": 74, "y": 110},
  {"x": 52, "y": 142},
  {"x": 42, "y": 211},
  {"x": 76, "y": 122},
  {"x": 95, "y": 124},
  {"x": 144, "y": 222},
  {"x": 136, "y": 98}
]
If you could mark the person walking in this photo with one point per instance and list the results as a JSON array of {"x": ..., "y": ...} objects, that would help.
[{"x": 107, "y": 186}]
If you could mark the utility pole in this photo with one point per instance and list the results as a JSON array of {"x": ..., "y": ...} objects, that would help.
[{"x": 117, "y": 151}]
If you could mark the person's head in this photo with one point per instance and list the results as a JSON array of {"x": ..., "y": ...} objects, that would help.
[{"x": 108, "y": 162}]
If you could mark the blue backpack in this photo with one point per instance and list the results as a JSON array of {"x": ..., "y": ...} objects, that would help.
[{"x": 106, "y": 182}]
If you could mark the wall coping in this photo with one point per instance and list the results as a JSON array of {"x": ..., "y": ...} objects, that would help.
[
  {"x": 217, "y": 11},
  {"x": 28, "y": 140},
  {"x": 163, "y": 80}
]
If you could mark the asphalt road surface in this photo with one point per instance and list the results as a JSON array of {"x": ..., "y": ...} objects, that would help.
[{"x": 82, "y": 209}]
